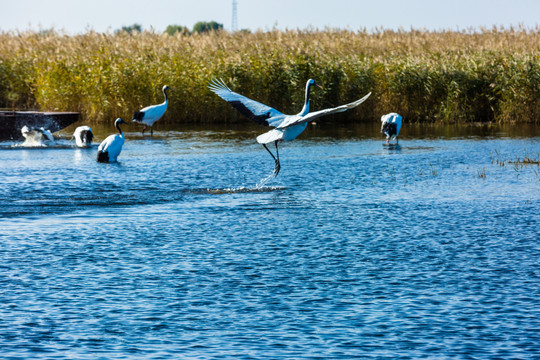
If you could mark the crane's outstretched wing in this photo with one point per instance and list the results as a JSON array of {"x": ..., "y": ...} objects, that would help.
[
  {"x": 316, "y": 114},
  {"x": 260, "y": 113}
]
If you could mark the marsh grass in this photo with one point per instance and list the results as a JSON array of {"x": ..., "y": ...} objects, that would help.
[
  {"x": 492, "y": 75},
  {"x": 527, "y": 159},
  {"x": 482, "y": 173}
]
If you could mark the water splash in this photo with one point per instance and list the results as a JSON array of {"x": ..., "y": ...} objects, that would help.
[
  {"x": 263, "y": 181},
  {"x": 238, "y": 190},
  {"x": 35, "y": 143},
  {"x": 40, "y": 144},
  {"x": 36, "y": 137}
]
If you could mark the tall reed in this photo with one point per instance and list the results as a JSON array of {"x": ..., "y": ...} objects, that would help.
[{"x": 449, "y": 76}]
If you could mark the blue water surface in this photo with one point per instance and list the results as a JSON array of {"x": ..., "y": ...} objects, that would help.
[{"x": 187, "y": 249}]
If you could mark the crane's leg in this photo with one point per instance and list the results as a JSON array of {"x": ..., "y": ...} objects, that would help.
[
  {"x": 151, "y": 130},
  {"x": 144, "y": 128},
  {"x": 277, "y": 166}
]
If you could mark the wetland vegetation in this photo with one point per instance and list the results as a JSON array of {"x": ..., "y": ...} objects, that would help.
[{"x": 488, "y": 75}]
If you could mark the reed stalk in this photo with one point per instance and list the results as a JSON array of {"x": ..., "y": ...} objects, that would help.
[{"x": 486, "y": 75}]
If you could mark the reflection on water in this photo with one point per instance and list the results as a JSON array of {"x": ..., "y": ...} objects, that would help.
[
  {"x": 393, "y": 148},
  {"x": 190, "y": 248},
  {"x": 328, "y": 129},
  {"x": 209, "y": 134}
]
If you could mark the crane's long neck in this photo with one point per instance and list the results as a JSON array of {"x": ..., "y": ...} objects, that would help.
[
  {"x": 117, "y": 124},
  {"x": 305, "y": 109},
  {"x": 166, "y": 97}
]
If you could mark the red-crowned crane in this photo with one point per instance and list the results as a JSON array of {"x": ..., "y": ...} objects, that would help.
[
  {"x": 286, "y": 127},
  {"x": 83, "y": 136},
  {"x": 391, "y": 124},
  {"x": 150, "y": 114},
  {"x": 111, "y": 147}
]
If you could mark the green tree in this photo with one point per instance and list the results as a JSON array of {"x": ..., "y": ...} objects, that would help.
[
  {"x": 131, "y": 28},
  {"x": 203, "y": 26},
  {"x": 173, "y": 29}
]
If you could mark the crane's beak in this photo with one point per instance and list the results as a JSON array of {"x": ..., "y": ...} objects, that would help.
[{"x": 319, "y": 86}]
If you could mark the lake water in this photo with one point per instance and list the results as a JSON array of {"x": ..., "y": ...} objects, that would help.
[{"x": 185, "y": 248}]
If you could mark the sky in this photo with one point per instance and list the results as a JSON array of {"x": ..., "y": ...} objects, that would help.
[{"x": 79, "y": 16}]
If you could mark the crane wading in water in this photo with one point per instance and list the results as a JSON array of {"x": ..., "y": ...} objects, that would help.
[
  {"x": 391, "y": 124},
  {"x": 83, "y": 136},
  {"x": 111, "y": 147},
  {"x": 150, "y": 114},
  {"x": 286, "y": 127}
]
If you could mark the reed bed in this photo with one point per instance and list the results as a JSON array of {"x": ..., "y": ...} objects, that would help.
[{"x": 487, "y": 75}]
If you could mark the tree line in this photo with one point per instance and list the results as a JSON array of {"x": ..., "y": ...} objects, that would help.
[{"x": 198, "y": 28}]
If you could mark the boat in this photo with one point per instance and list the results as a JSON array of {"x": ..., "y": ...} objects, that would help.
[{"x": 11, "y": 122}]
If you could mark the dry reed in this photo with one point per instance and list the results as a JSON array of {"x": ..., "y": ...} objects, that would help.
[{"x": 448, "y": 76}]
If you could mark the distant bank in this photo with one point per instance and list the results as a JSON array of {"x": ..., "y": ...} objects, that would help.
[{"x": 491, "y": 75}]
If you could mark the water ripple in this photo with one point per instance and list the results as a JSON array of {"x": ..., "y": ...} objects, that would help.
[{"x": 353, "y": 251}]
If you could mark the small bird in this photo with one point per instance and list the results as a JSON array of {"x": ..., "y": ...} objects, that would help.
[
  {"x": 111, "y": 147},
  {"x": 287, "y": 127},
  {"x": 36, "y": 136},
  {"x": 150, "y": 114},
  {"x": 391, "y": 124},
  {"x": 83, "y": 136}
]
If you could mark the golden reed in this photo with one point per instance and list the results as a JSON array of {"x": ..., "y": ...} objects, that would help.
[{"x": 446, "y": 76}]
